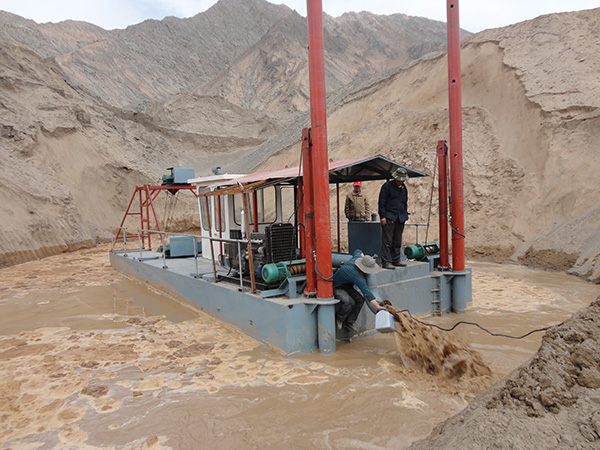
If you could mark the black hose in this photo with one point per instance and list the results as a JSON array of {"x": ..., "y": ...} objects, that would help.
[{"x": 491, "y": 333}]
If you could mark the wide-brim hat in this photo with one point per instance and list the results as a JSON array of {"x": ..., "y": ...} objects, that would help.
[
  {"x": 400, "y": 174},
  {"x": 367, "y": 264}
]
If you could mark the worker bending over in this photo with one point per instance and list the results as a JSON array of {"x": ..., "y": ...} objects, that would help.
[{"x": 352, "y": 274}]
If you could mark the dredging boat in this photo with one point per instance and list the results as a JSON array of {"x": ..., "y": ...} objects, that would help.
[{"x": 263, "y": 260}]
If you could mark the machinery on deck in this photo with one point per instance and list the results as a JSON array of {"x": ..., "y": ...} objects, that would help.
[
  {"x": 246, "y": 226},
  {"x": 269, "y": 208}
]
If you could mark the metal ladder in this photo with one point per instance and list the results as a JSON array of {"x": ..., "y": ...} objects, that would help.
[{"x": 436, "y": 295}]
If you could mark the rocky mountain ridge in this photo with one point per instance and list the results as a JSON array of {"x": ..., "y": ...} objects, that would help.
[
  {"x": 530, "y": 124},
  {"x": 72, "y": 155},
  {"x": 236, "y": 49}
]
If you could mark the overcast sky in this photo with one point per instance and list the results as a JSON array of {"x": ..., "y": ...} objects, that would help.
[{"x": 475, "y": 15}]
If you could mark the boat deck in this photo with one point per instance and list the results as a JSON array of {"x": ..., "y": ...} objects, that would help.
[{"x": 283, "y": 323}]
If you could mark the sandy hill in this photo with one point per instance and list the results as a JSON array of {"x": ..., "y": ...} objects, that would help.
[
  {"x": 530, "y": 123},
  {"x": 71, "y": 154},
  {"x": 531, "y": 119},
  {"x": 70, "y": 161}
]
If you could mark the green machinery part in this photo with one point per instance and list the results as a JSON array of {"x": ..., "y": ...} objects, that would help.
[
  {"x": 421, "y": 251},
  {"x": 276, "y": 272}
]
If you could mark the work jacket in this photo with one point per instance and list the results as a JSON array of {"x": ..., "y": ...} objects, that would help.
[
  {"x": 357, "y": 207},
  {"x": 349, "y": 275},
  {"x": 393, "y": 202}
]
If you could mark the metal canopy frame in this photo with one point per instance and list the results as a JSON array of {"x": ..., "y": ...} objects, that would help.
[{"x": 369, "y": 168}]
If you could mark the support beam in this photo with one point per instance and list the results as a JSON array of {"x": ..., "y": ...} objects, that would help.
[
  {"x": 442, "y": 154},
  {"x": 320, "y": 168},
  {"x": 309, "y": 216},
  {"x": 456, "y": 163}
]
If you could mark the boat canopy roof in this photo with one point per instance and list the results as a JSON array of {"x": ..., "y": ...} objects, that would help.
[{"x": 364, "y": 168}]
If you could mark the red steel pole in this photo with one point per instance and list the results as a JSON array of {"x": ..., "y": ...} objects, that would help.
[
  {"x": 337, "y": 189},
  {"x": 255, "y": 211},
  {"x": 442, "y": 154},
  {"x": 320, "y": 166},
  {"x": 456, "y": 157},
  {"x": 142, "y": 217},
  {"x": 309, "y": 216}
]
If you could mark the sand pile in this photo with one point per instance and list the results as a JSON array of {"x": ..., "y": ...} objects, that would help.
[
  {"x": 552, "y": 402},
  {"x": 435, "y": 351},
  {"x": 567, "y": 362}
]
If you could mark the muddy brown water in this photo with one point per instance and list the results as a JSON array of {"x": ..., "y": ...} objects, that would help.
[{"x": 90, "y": 358}]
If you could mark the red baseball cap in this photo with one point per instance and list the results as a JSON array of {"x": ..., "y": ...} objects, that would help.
[{"x": 357, "y": 183}]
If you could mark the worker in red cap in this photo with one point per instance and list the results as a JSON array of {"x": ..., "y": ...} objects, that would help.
[{"x": 357, "y": 205}]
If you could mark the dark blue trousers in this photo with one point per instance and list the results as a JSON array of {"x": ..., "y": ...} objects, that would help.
[
  {"x": 391, "y": 241},
  {"x": 349, "y": 305}
]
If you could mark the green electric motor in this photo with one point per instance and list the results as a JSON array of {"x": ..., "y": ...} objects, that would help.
[
  {"x": 272, "y": 273},
  {"x": 279, "y": 271},
  {"x": 421, "y": 251}
]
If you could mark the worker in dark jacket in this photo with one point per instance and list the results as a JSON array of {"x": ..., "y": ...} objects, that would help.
[
  {"x": 352, "y": 274},
  {"x": 393, "y": 213}
]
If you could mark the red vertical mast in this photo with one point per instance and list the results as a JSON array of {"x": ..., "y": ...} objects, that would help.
[
  {"x": 309, "y": 215},
  {"x": 442, "y": 154},
  {"x": 456, "y": 164},
  {"x": 320, "y": 163}
]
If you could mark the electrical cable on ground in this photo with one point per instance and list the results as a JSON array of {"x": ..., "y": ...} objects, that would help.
[{"x": 474, "y": 324}]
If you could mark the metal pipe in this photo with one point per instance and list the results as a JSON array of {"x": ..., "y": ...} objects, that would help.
[
  {"x": 142, "y": 219},
  {"x": 148, "y": 206},
  {"x": 218, "y": 200},
  {"x": 243, "y": 241},
  {"x": 309, "y": 216},
  {"x": 296, "y": 206},
  {"x": 337, "y": 259},
  {"x": 212, "y": 250},
  {"x": 114, "y": 240},
  {"x": 254, "y": 212},
  {"x": 456, "y": 163},
  {"x": 250, "y": 257},
  {"x": 326, "y": 327},
  {"x": 243, "y": 220},
  {"x": 162, "y": 238},
  {"x": 125, "y": 216},
  {"x": 442, "y": 154},
  {"x": 461, "y": 292},
  {"x": 337, "y": 188},
  {"x": 301, "y": 224},
  {"x": 240, "y": 266},
  {"x": 320, "y": 167},
  {"x": 147, "y": 203},
  {"x": 196, "y": 256}
]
